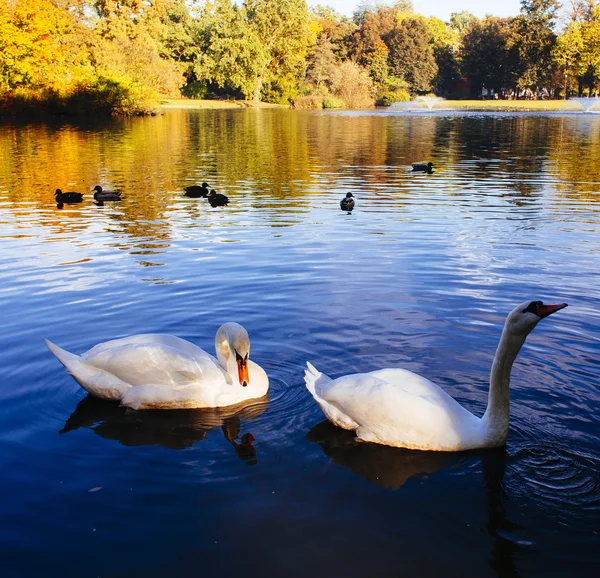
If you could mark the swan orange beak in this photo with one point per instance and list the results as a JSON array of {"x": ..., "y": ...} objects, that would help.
[
  {"x": 545, "y": 310},
  {"x": 242, "y": 364}
]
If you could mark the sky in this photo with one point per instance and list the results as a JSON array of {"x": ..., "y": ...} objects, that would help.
[{"x": 440, "y": 8}]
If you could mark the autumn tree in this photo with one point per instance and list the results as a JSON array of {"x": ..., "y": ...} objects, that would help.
[
  {"x": 411, "y": 53},
  {"x": 533, "y": 38},
  {"x": 259, "y": 46},
  {"x": 41, "y": 46},
  {"x": 486, "y": 57},
  {"x": 284, "y": 30},
  {"x": 577, "y": 50},
  {"x": 445, "y": 41}
]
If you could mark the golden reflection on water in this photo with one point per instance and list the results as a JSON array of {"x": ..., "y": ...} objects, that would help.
[{"x": 277, "y": 161}]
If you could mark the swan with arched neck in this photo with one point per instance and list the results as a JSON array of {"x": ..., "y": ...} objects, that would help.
[
  {"x": 160, "y": 371},
  {"x": 399, "y": 408}
]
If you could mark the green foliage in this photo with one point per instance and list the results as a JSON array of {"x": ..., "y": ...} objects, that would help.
[
  {"x": 258, "y": 45},
  {"x": 533, "y": 39},
  {"x": 577, "y": 50},
  {"x": 353, "y": 85},
  {"x": 121, "y": 57},
  {"x": 310, "y": 102},
  {"x": 389, "y": 98},
  {"x": 486, "y": 55},
  {"x": 411, "y": 53},
  {"x": 334, "y": 102},
  {"x": 322, "y": 63}
]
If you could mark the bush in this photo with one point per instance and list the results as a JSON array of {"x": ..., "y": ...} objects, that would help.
[
  {"x": 333, "y": 102},
  {"x": 310, "y": 101},
  {"x": 102, "y": 96},
  {"x": 389, "y": 98},
  {"x": 353, "y": 85}
]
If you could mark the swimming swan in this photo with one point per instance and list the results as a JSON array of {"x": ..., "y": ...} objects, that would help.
[
  {"x": 159, "y": 371},
  {"x": 396, "y": 407}
]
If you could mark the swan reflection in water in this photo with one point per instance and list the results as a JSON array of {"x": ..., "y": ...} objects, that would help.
[
  {"x": 174, "y": 429},
  {"x": 389, "y": 467},
  {"x": 384, "y": 466}
]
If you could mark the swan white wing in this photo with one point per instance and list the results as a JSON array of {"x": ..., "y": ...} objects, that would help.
[
  {"x": 155, "y": 363},
  {"x": 408, "y": 411},
  {"x": 151, "y": 338}
]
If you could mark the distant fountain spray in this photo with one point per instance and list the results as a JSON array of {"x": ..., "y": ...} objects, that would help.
[
  {"x": 421, "y": 103},
  {"x": 589, "y": 103}
]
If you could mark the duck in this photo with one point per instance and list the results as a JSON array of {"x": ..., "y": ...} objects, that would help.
[
  {"x": 196, "y": 191},
  {"x": 396, "y": 407},
  {"x": 67, "y": 197},
  {"x": 217, "y": 199},
  {"x": 347, "y": 203},
  {"x": 426, "y": 168},
  {"x": 161, "y": 371},
  {"x": 102, "y": 195}
]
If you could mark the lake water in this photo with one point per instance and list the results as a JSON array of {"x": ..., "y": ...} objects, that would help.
[{"x": 421, "y": 274}]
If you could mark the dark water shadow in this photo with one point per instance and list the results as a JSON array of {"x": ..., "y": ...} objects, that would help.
[
  {"x": 389, "y": 467},
  {"x": 173, "y": 429},
  {"x": 384, "y": 466}
]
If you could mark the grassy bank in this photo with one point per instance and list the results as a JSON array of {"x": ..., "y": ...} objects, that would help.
[
  {"x": 215, "y": 104},
  {"x": 474, "y": 105},
  {"x": 510, "y": 105}
]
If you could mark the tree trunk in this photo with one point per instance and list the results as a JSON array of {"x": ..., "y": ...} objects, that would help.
[{"x": 257, "y": 90}]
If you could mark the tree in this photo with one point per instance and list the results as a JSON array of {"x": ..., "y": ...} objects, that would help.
[
  {"x": 445, "y": 42},
  {"x": 231, "y": 54},
  {"x": 461, "y": 21},
  {"x": 322, "y": 65},
  {"x": 534, "y": 38},
  {"x": 411, "y": 53},
  {"x": 486, "y": 58},
  {"x": 353, "y": 85},
  {"x": 283, "y": 26},
  {"x": 40, "y": 46},
  {"x": 262, "y": 44}
]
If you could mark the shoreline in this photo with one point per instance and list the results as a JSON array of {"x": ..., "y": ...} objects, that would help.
[{"x": 464, "y": 105}]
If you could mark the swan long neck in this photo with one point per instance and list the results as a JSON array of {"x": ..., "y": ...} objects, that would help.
[
  {"x": 497, "y": 414},
  {"x": 231, "y": 338},
  {"x": 224, "y": 354}
]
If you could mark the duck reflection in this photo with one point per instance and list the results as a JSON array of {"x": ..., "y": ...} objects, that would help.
[
  {"x": 174, "y": 429},
  {"x": 384, "y": 466}
]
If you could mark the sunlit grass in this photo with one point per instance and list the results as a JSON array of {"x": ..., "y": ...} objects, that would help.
[
  {"x": 511, "y": 105},
  {"x": 491, "y": 105},
  {"x": 218, "y": 104}
]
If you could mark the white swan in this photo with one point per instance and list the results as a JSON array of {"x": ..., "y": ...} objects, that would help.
[
  {"x": 157, "y": 371},
  {"x": 396, "y": 407}
]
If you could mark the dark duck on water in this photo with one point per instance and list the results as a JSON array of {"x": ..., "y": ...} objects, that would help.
[
  {"x": 422, "y": 167},
  {"x": 347, "y": 203},
  {"x": 67, "y": 197},
  {"x": 101, "y": 195},
  {"x": 217, "y": 199},
  {"x": 197, "y": 191}
]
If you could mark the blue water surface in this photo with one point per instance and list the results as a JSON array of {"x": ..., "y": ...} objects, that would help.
[{"x": 421, "y": 274}]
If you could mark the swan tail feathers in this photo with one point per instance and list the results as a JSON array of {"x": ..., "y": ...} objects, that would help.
[
  {"x": 315, "y": 383},
  {"x": 64, "y": 356},
  {"x": 95, "y": 381},
  {"x": 314, "y": 379}
]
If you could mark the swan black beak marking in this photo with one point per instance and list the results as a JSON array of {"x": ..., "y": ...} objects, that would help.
[
  {"x": 242, "y": 363},
  {"x": 545, "y": 310}
]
